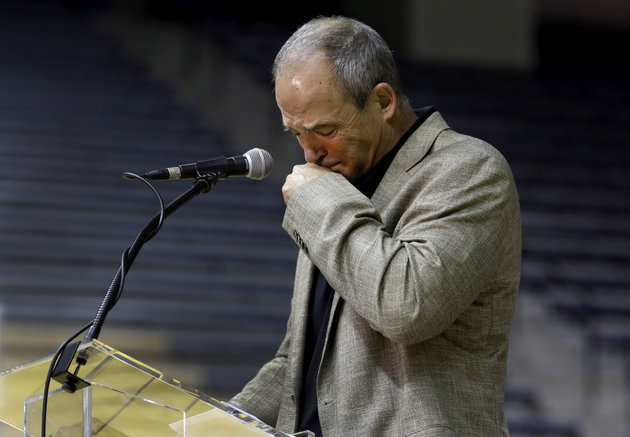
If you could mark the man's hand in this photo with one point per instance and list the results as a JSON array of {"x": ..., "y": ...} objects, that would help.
[{"x": 301, "y": 174}]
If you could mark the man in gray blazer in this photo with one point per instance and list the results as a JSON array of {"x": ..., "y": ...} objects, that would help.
[{"x": 409, "y": 260}]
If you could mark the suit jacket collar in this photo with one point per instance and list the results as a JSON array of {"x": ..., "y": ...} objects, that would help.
[{"x": 410, "y": 154}]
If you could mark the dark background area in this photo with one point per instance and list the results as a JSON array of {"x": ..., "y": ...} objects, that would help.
[{"x": 94, "y": 88}]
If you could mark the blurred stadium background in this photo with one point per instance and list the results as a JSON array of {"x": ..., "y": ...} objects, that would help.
[{"x": 90, "y": 89}]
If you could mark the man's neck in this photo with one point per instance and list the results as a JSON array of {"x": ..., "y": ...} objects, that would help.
[{"x": 401, "y": 123}]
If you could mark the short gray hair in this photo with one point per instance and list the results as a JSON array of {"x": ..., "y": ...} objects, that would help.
[{"x": 358, "y": 56}]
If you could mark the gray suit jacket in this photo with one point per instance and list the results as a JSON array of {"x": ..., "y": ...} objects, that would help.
[{"x": 426, "y": 274}]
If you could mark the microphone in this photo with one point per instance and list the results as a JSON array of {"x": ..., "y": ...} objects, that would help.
[{"x": 254, "y": 164}]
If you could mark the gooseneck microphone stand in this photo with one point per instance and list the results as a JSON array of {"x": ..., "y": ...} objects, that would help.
[
  {"x": 63, "y": 359},
  {"x": 202, "y": 185}
]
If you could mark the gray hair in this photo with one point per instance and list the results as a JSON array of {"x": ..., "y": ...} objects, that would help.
[{"x": 358, "y": 56}]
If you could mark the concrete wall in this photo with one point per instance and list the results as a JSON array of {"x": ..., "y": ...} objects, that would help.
[{"x": 485, "y": 33}]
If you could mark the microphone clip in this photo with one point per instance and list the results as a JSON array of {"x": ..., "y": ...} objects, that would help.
[{"x": 209, "y": 180}]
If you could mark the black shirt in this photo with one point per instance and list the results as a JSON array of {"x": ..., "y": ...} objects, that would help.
[{"x": 320, "y": 303}]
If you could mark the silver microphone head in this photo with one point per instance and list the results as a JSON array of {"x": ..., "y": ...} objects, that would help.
[{"x": 259, "y": 163}]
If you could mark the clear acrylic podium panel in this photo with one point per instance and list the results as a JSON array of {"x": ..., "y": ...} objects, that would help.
[{"x": 125, "y": 398}]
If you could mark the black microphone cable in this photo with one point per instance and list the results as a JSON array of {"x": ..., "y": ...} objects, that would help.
[
  {"x": 116, "y": 287},
  {"x": 125, "y": 263}
]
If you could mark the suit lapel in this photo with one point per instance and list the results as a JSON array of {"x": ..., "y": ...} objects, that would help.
[{"x": 412, "y": 152}]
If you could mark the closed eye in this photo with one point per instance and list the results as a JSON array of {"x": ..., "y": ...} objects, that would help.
[
  {"x": 326, "y": 132},
  {"x": 287, "y": 129}
]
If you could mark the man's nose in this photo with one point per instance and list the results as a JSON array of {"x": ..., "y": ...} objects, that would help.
[{"x": 313, "y": 151}]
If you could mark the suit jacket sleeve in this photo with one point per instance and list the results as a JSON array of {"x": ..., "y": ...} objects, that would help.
[{"x": 415, "y": 256}]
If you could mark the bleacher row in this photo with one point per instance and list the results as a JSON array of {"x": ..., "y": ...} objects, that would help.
[{"x": 208, "y": 297}]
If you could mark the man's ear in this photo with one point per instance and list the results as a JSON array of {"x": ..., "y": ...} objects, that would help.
[{"x": 385, "y": 97}]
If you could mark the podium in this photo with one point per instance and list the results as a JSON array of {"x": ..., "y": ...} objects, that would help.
[{"x": 123, "y": 398}]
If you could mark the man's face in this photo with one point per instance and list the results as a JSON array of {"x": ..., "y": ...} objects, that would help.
[{"x": 331, "y": 129}]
